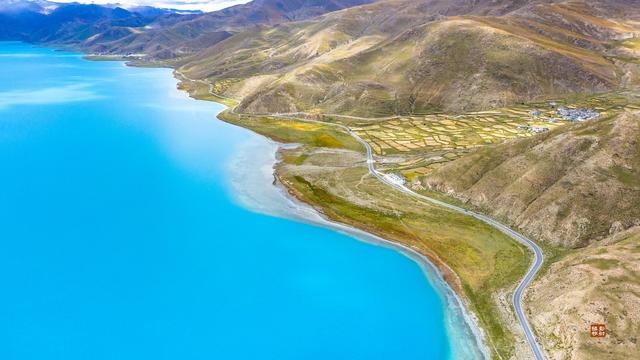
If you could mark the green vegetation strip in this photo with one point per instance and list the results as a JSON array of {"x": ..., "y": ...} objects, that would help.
[{"x": 485, "y": 261}]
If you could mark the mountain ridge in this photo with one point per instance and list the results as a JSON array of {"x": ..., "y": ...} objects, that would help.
[
  {"x": 156, "y": 34},
  {"x": 364, "y": 61}
]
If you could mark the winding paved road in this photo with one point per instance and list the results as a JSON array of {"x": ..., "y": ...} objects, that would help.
[
  {"x": 539, "y": 257},
  {"x": 533, "y": 270}
]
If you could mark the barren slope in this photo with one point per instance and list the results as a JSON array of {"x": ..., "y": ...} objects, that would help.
[
  {"x": 570, "y": 187},
  {"x": 400, "y": 57},
  {"x": 596, "y": 285}
]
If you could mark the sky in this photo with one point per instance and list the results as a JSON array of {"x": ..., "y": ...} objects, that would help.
[{"x": 204, "y": 5}]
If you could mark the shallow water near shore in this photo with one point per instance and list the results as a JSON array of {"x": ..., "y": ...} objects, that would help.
[
  {"x": 258, "y": 191},
  {"x": 124, "y": 235}
]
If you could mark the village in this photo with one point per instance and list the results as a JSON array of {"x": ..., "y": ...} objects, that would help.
[{"x": 568, "y": 114}]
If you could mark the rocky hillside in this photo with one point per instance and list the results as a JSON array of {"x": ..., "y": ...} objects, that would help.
[
  {"x": 572, "y": 186},
  {"x": 411, "y": 57}
]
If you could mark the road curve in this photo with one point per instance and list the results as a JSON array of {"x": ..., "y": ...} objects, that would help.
[{"x": 538, "y": 255}]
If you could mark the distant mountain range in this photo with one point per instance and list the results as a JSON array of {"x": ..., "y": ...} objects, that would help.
[
  {"x": 43, "y": 21},
  {"x": 157, "y": 33}
]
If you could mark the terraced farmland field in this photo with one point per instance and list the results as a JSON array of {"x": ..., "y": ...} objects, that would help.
[
  {"x": 444, "y": 133},
  {"x": 453, "y": 133},
  {"x": 422, "y": 142}
]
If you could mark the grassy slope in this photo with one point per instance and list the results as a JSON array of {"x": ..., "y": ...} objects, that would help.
[
  {"x": 368, "y": 61},
  {"x": 486, "y": 262},
  {"x": 571, "y": 187},
  {"x": 555, "y": 186},
  {"x": 287, "y": 131}
]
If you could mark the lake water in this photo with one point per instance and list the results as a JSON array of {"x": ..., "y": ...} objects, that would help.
[{"x": 126, "y": 233}]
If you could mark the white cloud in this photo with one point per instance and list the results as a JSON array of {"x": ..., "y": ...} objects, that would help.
[{"x": 204, "y": 5}]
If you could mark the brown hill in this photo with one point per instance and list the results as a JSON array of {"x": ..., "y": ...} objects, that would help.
[
  {"x": 599, "y": 284},
  {"x": 570, "y": 187},
  {"x": 408, "y": 57}
]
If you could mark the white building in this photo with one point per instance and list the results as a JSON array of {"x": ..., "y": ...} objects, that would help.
[{"x": 395, "y": 179}]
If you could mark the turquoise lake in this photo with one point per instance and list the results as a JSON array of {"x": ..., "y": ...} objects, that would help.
[{"x": 121, "y": 236}]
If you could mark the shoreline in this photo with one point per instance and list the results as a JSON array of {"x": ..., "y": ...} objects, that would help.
[
  {"x": 481, "y": 335},
  {"x": 306, "y": 213},
  {"x": 292, "y": 208},
  {"x": 501, "y": 310},
  {"x": 432, "y": 273}
]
